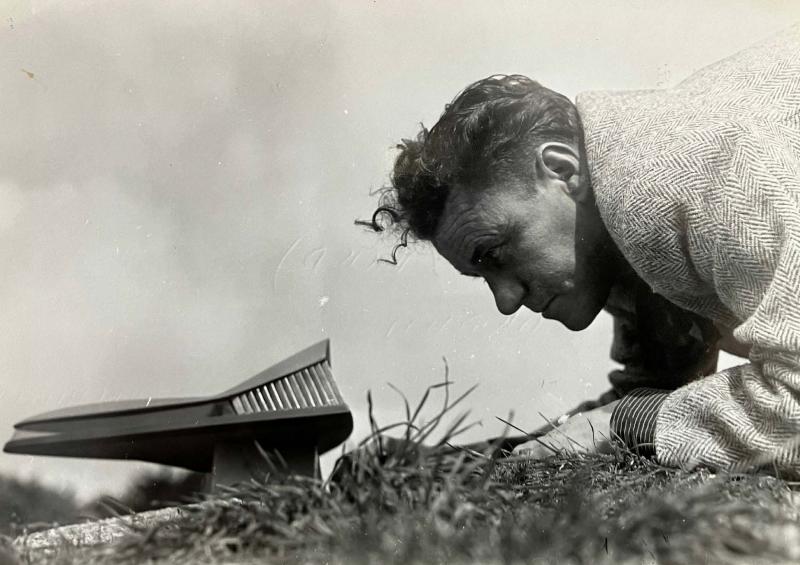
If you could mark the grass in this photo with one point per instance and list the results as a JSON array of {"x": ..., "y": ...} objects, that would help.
[
  {"x": 29, "y": 502},
  {"x": 394, "y": 502}
]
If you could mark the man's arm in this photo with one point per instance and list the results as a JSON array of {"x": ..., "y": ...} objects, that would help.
[
  {"x": 658, "y": 344},
  {"x": 661, "y": 347},
  {"x": 746, "y": 416}
]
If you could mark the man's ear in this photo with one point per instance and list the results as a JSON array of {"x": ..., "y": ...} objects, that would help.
[{"x": 560, "y": 162}]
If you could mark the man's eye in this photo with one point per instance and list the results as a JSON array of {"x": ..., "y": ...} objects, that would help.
[{"x": 492, "y": 255}]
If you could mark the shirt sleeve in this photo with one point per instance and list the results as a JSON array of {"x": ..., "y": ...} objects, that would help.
[
  {"x": 633, "y": 421},
  {"x": 748, "y": 416}
]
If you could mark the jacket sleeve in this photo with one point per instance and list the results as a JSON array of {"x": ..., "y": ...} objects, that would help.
[{"x": 748, "y": 416}]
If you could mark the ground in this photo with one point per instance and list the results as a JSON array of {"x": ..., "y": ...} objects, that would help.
[{"x": 406, "y": 505}]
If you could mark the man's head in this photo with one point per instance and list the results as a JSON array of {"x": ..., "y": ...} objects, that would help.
[{"x": 499, "y": 186}]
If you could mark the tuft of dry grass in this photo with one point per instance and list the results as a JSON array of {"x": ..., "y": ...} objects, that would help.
[{"x": 393, "y": 502}]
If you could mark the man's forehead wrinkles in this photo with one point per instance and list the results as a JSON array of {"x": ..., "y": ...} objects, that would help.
[
  {"x": 469, "y": 237},
  {"x": 466, "y": 221},
  {"x": 466, "y": 231},
  {"x": 456, "y": 210},
  {"x": 454, "y": 225}
]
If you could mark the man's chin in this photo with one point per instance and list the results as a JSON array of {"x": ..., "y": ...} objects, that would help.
[
  {"x": 574, "y": 321},
  {"x": 576, "y": 326}
]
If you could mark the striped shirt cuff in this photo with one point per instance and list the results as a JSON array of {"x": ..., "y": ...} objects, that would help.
[{"x": 634, "y": 419}]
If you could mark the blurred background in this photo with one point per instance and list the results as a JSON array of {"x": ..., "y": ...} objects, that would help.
[{"x": 179, "y": 180}]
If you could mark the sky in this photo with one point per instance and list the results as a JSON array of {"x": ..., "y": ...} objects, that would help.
[{"x": 179, "y": 181}]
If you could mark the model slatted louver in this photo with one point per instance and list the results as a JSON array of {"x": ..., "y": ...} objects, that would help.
[
  {"x": 293, "y": 409},
  {"x": 311, "y": 387}
]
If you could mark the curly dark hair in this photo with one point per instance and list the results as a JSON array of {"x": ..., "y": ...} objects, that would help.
[{"x": 481, "y": 135}]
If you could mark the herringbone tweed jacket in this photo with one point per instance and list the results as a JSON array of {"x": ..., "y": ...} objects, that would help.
[{"x": 699, "y": 186}]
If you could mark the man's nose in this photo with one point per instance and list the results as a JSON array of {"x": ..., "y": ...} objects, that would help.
[{"x": 508, "y": 295}]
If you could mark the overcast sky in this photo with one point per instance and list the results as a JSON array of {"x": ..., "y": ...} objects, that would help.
[{"x": 179, "y": 180}]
